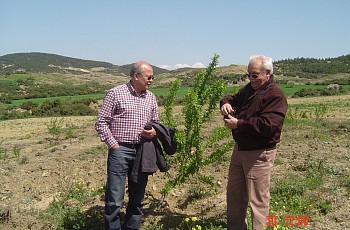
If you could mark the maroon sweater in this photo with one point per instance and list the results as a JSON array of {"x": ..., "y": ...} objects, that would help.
[{"x": 260, "y": 115}]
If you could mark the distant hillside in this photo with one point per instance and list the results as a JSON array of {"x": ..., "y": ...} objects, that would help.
[
  {"x": 156, "y": 70},
  {"x": 297, "y": 70},
  {"x": 231, "y": 73},
  {"x": 312, "y": 67},
  {"x": 52, "y": 63}
]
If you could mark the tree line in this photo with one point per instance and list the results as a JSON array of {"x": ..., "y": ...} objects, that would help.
[
  {"x": 28, "y": 89},
  {"x": 312, "y": 67}
]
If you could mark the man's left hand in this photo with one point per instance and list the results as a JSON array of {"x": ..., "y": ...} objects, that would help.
[{"x": 149, "y": 134}]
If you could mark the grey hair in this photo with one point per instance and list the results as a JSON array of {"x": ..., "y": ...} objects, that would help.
[
  {"x": 266, "y": 62},
  {"x": 138, "y": 68}
]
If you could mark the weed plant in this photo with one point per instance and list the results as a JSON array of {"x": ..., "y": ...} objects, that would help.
[
  {"x": 55, "y": 128},
  {"x": 303, "y": 115},
  {"x": 3, "y": 153},
  {"x": 70, "y": 131},
  {"x": 5, "y": 156},
  {"x": 4, "y": 215},
  {"x": 16, "y": 151},
  {"x": 65, "y": 211},
  {"x": 301, "y": 194}
]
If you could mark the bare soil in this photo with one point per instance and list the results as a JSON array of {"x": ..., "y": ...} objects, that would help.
[{"x": 44, "y": 169}]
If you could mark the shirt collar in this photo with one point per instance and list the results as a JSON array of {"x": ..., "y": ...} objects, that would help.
[{"x": 133, "y": 91}]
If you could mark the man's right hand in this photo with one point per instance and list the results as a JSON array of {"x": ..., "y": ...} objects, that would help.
[
  {"x": 226, "y": 109},
  {"x": 115, "y": 146}
]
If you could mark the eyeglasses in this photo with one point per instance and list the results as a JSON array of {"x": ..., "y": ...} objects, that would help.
[
  {"x": 150, "y": 77},
  {"x": 252, "y": 75}
]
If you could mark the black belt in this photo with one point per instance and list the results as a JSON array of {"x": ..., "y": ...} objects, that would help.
[
  {"x": 129, "y": 145},
  {"x": 267, "y": 148}
]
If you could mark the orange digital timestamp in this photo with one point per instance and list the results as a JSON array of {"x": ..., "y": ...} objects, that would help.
[{"x": 289, "y": 221}]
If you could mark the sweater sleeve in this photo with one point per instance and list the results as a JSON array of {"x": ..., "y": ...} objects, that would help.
[{"x": 269, "y": 120}]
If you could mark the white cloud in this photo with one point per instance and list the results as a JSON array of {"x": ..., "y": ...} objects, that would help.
[
  {"x": 178, "y": 66},
  {"x": 168, "y": 67},
  {"x": 198, "y": 65}
]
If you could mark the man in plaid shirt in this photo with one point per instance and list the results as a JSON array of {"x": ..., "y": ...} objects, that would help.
[{"x": 120, "y": 124}]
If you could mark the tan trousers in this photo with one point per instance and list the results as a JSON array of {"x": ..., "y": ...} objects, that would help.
[{"x": 249, "y": 182}]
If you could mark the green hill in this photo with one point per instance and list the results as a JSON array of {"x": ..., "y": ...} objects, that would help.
[
  {"x": 314, "y": 71},
  {"x": 156, "y": 70},
  {"x": 52, "y": 63},
  {"x": 312, "y": 67}
]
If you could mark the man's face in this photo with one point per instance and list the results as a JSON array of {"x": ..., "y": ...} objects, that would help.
[
  {"x": 145, "y": 79},
  {"x": 256, "y": 75}
]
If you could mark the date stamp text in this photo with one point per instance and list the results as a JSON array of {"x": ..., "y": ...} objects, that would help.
[{"x": 289, "y": 221}]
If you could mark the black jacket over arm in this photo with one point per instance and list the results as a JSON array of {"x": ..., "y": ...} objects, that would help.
[{"x": 150, "y": 157}]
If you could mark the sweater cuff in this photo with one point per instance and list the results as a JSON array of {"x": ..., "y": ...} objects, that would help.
[
  {"x": 239, "y": 123},
  {"x": 224, "y": 101}
]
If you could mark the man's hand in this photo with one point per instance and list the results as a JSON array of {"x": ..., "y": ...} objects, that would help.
[
  {"x": 231, "y": 122},
  {"x": 115, "y": 146},
  {"x": 149, "y": 134},
  {"x": 226, "y": 109}
]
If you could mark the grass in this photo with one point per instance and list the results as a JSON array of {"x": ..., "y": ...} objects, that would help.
[
  {"x": 156, "y": 91},
  {"x": 165, "y": 91},
  {"x": 303, "y": 190},
  {"x": 290, "y": 90},
  {"x": 297, "y": 198},
  {"x": 5, "y": 154},
  {"x": 96, "y": 150}
]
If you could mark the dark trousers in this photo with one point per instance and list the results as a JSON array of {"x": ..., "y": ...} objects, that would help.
[{"x": 119, "y": 166}]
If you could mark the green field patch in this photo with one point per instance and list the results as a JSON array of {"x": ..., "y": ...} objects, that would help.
[
  {"x": 165, "y": 91},
  {"x": 287, "y": 89}
]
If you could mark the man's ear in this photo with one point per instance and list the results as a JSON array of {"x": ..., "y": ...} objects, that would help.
[{"x": 268, "y": 72}]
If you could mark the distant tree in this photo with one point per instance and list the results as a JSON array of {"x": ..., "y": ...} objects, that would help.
[{"x": 29, "y": 105}]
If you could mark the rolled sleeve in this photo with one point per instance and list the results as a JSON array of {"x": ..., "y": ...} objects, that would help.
[{"x": 102, "y": 125}]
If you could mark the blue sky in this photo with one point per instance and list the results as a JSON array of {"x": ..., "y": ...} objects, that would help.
[{"x": 170, "y": 32}]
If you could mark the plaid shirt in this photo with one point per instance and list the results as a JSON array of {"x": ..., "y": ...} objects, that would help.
[{"x": 124, "y": 114}]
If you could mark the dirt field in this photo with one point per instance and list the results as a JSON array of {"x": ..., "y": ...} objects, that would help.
[{"x": 37, "y": 170}]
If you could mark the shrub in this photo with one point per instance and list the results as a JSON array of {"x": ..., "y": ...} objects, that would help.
[{"x": 199, "y": 105}]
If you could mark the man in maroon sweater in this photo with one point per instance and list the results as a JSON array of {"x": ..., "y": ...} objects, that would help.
[{"x": 255, "y": 114}]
